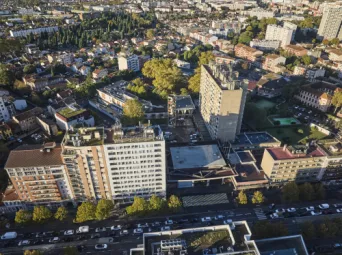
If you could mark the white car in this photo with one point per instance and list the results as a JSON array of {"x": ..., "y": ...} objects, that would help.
[
  {"x": 323, "y": 206},
  {"x": 280, "y": 211},
  {"x": 24, "y": 242},
  {"x": 339, "y": 210},
  {"x": 219, "y": 217},
  {"x": 54, "y": 240},
  {"x": 166, "y": 228},
  {"x": 309, "y": 208},
  {"x": 274, "y": 216},
  {"x": 118, "y": 227},
  {"x": 124, "y": 232},
  {"x": 228, "y": 222},
  {"x": 142, "y": 225},
  {"x": 103, "y": 229},
  {"x": 205, "y": 219},
  {"x": 101, "y": 246},
  {"x": 168, "y": 222},
  {"x": 68, "y": 232},
  {"x": 291, "y": 210},
  {"x": 138, "y": 231},
  {"x": 315, "y": 213}
]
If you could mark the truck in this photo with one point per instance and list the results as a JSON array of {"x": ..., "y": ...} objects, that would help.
[
  {"x": 82, "y": 229},
  {"x": 9, "y": 235}
]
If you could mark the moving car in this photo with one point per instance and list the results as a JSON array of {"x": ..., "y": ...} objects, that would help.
[
  {"x": 118, "y": 227},
  {"x": 310, "y": 208},
  {"x": 138, "y": 231},
  {"x": 101, "y": 246},
  {"x": 168, "y": 222},
  {"x": 9, "y": 235},
  {"x": 24, "y": 242},
  {"x": 54, "y": 240},
  {"x": 93, "y": 236},
  {"x": 315, "y": 213},
  {"x": 205, "y": 219},
  {"x": 142, "y": 225},
  {"x": 124, "y": 232},
  {"x": 274, "y": 216},
  {"x": 166, "y": 228},
  {"x": 279, "y": 210},
  {"x": 68, "y": 232},
  {"x": 323, "y": 206},
  {"x": 291, "y": 210}
]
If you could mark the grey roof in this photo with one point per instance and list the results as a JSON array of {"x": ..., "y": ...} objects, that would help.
[{"x": 184, "y": 102}]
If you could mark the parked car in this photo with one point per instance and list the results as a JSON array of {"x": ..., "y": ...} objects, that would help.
[
  {"x": 101, "y": 246},
  {"x": 117, "y": 227},
  {"x": 310, "y": 208},
  {"x": 169, "y": 222},
  {"x": 68, "y": 232},
  {"x": 166, "y": 228},
  {"x": 24, "y": 242},
  {"x": 138, "y": 231},
  {"x": 291, "y": 210},
  {"x": 101, "y": 229},
  {"x": 93, "y": 236},
  {"x": 274, "y": 216},
  {"x": 124, "y": 232},
  {"x": 54, "y": 240},
  {"x": 323, "y": 206},
  {"x": 205, "y": 219},
  {"x": 219, "y": 217},
  {"x": 279, "y": 210},
  {"x": 142, "y": 225},
  {"x": 314, "y": 213}
]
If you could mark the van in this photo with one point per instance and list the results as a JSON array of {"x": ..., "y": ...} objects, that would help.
[
  {"x": 323, "y": 206},
  {"x": 9, "y": 235},
  {"x": 82, "y": 229}
]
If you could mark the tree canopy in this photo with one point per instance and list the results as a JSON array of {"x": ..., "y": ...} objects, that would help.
[
  {"x": 174, "y": 203},
  {"x": 132, "y": 112},
  {"x": 23, "y": 216},
  {"x": 6, "y": 76},
  {"x": 242, "y": 198},
  {"x": 41, "y": 213},
  {"x": 103, "y": 209},
  {"x": 85, "y": 212},
  {"x": 337, "y": 100},
  {"x": 61, "y": 213}
]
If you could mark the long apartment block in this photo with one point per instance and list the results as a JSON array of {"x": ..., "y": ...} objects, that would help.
[{"x": 92, "y": 163}]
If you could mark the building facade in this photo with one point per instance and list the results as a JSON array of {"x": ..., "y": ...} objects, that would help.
[
  {"x": 330, "y": 26},
  {"x": 222, "y": 100},
  {"x": 129, "y": 62},
  {"x": 246, "y": 52},
  {"x": 282, "y": 34}
]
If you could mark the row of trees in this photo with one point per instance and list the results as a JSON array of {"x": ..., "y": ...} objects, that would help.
[
  {"x": 328, "y": 228},
  {"x": 156, "y": 204},
  {"x": 292, "y": 192},
  {"x": 89, "y": 211},
  {"x": 266, "y": 229},
  {"x": 40, "y": 214},
  {"x": 257, "y": 198}
]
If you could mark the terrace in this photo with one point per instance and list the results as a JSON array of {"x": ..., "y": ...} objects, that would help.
[
  {"x": 83, "y": 137},
  {"x": 69, "y": 113}
]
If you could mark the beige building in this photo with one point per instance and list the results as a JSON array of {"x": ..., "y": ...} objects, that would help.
[
  {"x": 222, "y": 101},
  {"x": 273, "y": 63},
  {"x": 330, "y": 26},
  {"x": 317, "y": 95},
  {"x": 298, "y": 163},
  {"x": 38, "y": 174}
]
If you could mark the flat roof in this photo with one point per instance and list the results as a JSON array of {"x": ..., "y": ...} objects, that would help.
[
  {"x": 281, "y": 153},
  {"x": 333, "y": 148},
  {"x": 184, "y": 102},
  {"x": 249, "y": 173},
  {"x": 199, "y": 156},
  {"x": 245, "y": 156},
  {"x": 289, "y": 245},
  {"x": 254, "y": 138}
]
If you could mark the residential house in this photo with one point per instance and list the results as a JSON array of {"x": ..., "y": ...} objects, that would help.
[
  {"x": 100, "y": 73},
  {"x": 271, "y": 85},
  {"x": 27, "y": 120},
  {"x": 246, "y": 52},
  {"x": 274, "y": 62},
  {"x": 69, "y": 117},
  {"x": 296, "y": 50}
]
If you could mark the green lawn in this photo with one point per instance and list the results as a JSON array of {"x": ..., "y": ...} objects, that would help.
[{"x": 290, "y": 135}]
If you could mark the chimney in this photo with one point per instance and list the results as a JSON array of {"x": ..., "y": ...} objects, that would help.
[{"x": 284, "y": 148}]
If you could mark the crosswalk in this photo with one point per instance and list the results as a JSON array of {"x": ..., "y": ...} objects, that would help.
[
  {"x": 260, "y": 213},
  {"x": 201, "y": 200}
]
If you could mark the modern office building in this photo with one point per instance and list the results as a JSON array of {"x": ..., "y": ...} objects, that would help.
[
  {"x": 294, "y": 163},
  {"x": 129, "y": 62},
  {"x": 331, "y": 23},
  {"x": 282, "y": 34},
  {"x": 136, "y": 164},
  {"x": 38, "y": 174},
  {"x": 222, "y": 101}
]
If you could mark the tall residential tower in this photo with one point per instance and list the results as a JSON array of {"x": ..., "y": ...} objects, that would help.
[{"x": 331, "y": 23}]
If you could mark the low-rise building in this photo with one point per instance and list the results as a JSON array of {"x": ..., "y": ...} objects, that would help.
[
  {"x": 317, "y": 95},
  {"x": 274, "y": 63},
  {"x": 294, "y": 163},
  {"x": 128, "y": 62},
  {"x": 309, "y": 73},
  {"x": 296, "y": 50},
  {"x": 27, "y": 120},
  {"x": 265, "y": 45},
  {"x": 39, "y": 30},
  {"x": 335, "y": 54},
  {"x": 72, "y": 116},
  {"x": 333, "y": 150},
  {"x": 100, "y": 73},
  {"x": 246, "y": 52},
  {"x": 271, "y": 85},
  {"x": 182, "y": 64},
  {"x": 179, "y": 109},
  {"x": 39, "y": 83}
]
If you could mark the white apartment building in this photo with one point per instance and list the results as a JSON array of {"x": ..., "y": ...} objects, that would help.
[
  {"x": 129, "y": 62},
  {"x": 265, "y": 44},
  {"x": 136, "y": 163},
  {"x": 260, "y": 13},
  {"x": 24, "y": 33},
  {"x": 330, "y": 26},
  {"x": 282, "y": 34}
]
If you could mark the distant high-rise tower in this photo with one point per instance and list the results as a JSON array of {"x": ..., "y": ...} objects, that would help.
[
  {"x": 331, "y": 23},
  {"x": 222, "y": 101}
]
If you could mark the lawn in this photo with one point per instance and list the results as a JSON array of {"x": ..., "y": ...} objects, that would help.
[
  {"x": 287, "y": 121},
  {"x": 295, "y": 135}
]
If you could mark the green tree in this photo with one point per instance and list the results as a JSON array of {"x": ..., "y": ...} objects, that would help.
[
  {"x": 103, "y": 209},
  {"x": 23, "y": 216},
  {"x": 33, "y": 252},
  {"x": 337, "y": 100},
  {"x": 6, "y": 76},
  {"x": 194, "y": 81},
  {"x": 70, "y": 250},
  {"x": 174, "y": 203},
  {"x": 290, "y": 192},
  {"x": 245, "y": 37},
  {"x": 319, "y": 191},
  {"x": 29, "y": 69},
  {"x": 205, "y": 58},
  {"x": 308, "y": 230},
  {"x": 132, "y": 112},
  {"x": 258, "y": 197},
  {"x": 150, "y": 33},
  {"x": 139, "y": 206},
  {"x": 242, "y": 198},
  {"x": 41, "y": 213},
  {"x": 335, "y": 41},
  {"x": 156, "y": 203},
  {"x": 61, "y": 213},
  {"x": 85, "y": 212},
  {"x": 306, "y": 60},
  {"x": 326, "y": 42},
  {"x": 306, "y": 192},
  {"x": 184, "y": 91},
  {"x": 264, "y": 229}
]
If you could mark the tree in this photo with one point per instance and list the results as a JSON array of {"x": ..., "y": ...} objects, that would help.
[
  {"x": 319, "y": 191},
  {"x": 132, "y": 112},
  {"x": 6, "y": 76},
  {"x": 205, "y": 58},
  {"x": 242, "y": 198},
  {"x": 174, "y": 203},
  {"x": 194, "y": 81},
  {"x": 262, "y": 229},
  {"x": 184, "y": 91},
  {"x": 61, "y": 213},
  {"x": 306, "y": 192},
  {"x": 85, "y": 212},
  {"x": 245, "y": 37},
  {"x": 306, "y": 60},
  {"x": 258, "y": 197},
  {"x": 326, "y": 42},
  {"x": 156, "y": 203},
  {"x": 139, "y": 206},
  {"x": 150, "y": 33},
  {"x": 70, "y": 250},
  {"x": 290, "y": 192},
  {"x": 337, "y": 100},
  {"x": 41, "y": 213},
  {"x": 32, "y": 252},
  {"x": 29, "y": 69},
  {"x": 335, "y": 41},
  {"x": 103, "y": 209},
  {"x": 23, "y": 216}
]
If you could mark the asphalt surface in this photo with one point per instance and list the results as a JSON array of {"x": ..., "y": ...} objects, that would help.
[{"x": 120, "y": 245}]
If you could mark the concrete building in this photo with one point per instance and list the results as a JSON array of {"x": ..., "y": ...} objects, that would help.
[
  {"x": 128, "y": 62},
  {"x": 222, "y": 100},
  {"x": 317, "y": 95},
  {"x": 100, "y": 73},
  {"x": 331, "y": 23},
  {"x": 27, "y": 120},
  {"x": 136, "y": 164},
  {"x": 179, "y": 109},
  {"x": 273, "y": 63},
  {"x": 266, "y": 45},
  {"x": 38, "y": 174},
  {"x": 282, "y": 34},
  {"x": 4, "y": 112},
  {"x": 39, "y": 30},
  {"x": 260, "y": 13},
  {"x": 246, "y": 52},
  {"x": 309, "y": 73},
  {"x": 296, "y": 50},
  {"x": 182, "y": 64},
  {"x": 294, "y": 163}
]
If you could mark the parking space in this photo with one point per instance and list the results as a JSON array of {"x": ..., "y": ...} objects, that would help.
[{"x": 180, "y": 134}]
